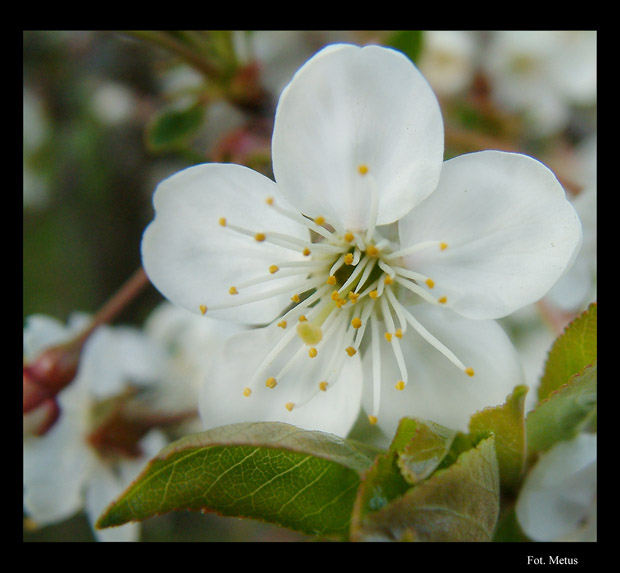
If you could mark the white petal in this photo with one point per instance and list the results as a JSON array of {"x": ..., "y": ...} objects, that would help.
[
  {"x": 58, "y": 465},
  {"x": 438, "y": 390},
  {"x": 349, "y": 106},
  {"x": 559, "y": 494},
  {"x": 105, "y": 487},
  {"x": 194, "y": 261},
  {"x": 510, "y": 231},
  {"x": 334, "y": 410}
]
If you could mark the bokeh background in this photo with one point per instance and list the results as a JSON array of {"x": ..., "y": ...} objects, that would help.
[{"x": 107, "y": 115}]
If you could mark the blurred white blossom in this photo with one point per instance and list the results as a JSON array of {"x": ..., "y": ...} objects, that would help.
[
  {"x": 559, "y": 496},
  {"x": 64, "y": 470},
  {"x": 542, "y": 74}
]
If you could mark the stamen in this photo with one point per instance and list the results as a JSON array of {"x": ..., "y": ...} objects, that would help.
[
  {"x": 400, "y": 385},
  {"x": 372, "y": 419},
  {"x": 442, "y": 300},
  {"x": 312, "y": 352},
  {"x": 203, "y": 309},
  {"x": 376, "y": 367},
  {"x": 323, "y": 386},
  {"x": 358, "y": 269},
  {"x": 348, "y": 237},
  {"x": 282, "y": 324},
  {"x": 362, "y": 169},
  {"x": 415, "y": 288},
  {"x": 260, "y": 237},
  {"x": 299, "y": 218},
  {"x": 413, "y": 275},
  {"x": 369, "y": 266},
  {"x": 412, "y": 249},
  {"x": 246, "y": 391},
  {"x": 271, "y": 382},
  {"x": 356, "y": 322},
  {"x": 233, "y": 290},
  {"x": 274, "y": 269},
  {"x": 443, "y": 246},
  {"x": 398, "y": 353},
  {"x": 289, "y": 406},
  {"x": 350, "y": 350},
  {"x": 433, "y": 341}
]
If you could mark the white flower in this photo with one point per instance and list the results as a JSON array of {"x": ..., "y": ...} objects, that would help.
[
  {"x": 63, "y": 471},
  {"x": 542, "y": 74},
  {"x": 363, "y": 229},
  {"x": 558, "y": 499}
]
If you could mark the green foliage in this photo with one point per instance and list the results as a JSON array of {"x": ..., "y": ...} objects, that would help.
[
  {"x": 410, "y": 42},
  {"x": 172, "y": 127},
  {"x": 568, "y": 391},
  {"x": 270, "y": 471},
  {"x": 575, "y": 349},
  {"x": 459, "y": 503},
  {"x": 507, "y": 423}
]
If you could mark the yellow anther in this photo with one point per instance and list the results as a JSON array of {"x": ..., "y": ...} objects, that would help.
[
  {"x": 398, "y": 333},
  {"x": 323, "y": 386},
  {"x": 289, "y": 406},
  {"x": 312, "y": 352},
  {"x": 295, "y": 298},
  {"x": 469, "y": 371},
  {"x": 362, "y": 169},
  {"x": 353, "y": 296},
  {"x": 442, "y": 300},
  {"x": 310, "y": 333},
  {"x": 356, "y": 322},
  {"x": 348, "y": 237},
  {"x": 341, "y": 302},
  {"x": 400, "y": 385},
  {"x": 350, "y": 350},
  {"x": 388, "y": 280},
  {"x": 443, "y": 246},
  {"x": 282, "y": 324},
  {"x": 372, "y": 251},
  {"x": 372, "y": 419},
  {"x": 246, "y": 391},
  {"x": 373, "y": 294},
  {"x": 203, "y": 309},
  {"x": 348, "y": 259},
  {"x": 222, "y": 221},
  {"x": 388, "y": 336},
  {"x": 259, "y": 237},
  {"x": 430, "y": 283},
  {"x": 233, "y": 290},
  {"x": 319, "y": 220},
  {"x": 269, "y": 200},
  {"x": 331, "y": 280},
  {"x": 302, "y": 318},
  {"x": 274, "y": 269},
  {"x": 271, "y": 382},
  {"x": 306, "y": 252},
  {"x": 335, "y": 296}
]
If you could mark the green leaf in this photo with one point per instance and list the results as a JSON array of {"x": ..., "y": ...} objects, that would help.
[
  {"x": 459, "y": 503},
  {"x": 172, "y": 127},
  {"x": 507, "y": 423},
  {"x": 410, "y": 42},
  {"x": 565, "y": 412},
  {"x": 273, "y": 472},
  {"x": 573, "y": 350},
  {"x": 427, "y": 448}
]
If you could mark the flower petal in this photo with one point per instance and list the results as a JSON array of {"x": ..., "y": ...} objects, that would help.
[
  {"x": 437, "y": 390},
  {"x": 58, "y": 465},
  {"x": 509, "y": 229},
  {"x": 194, "y": 260},
  {"x": 559, "y": 494},
  {"x": 335, "y": 410},
  {"x": 350, "y": 106}
]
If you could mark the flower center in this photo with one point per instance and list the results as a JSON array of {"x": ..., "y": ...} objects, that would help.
[{"x": 349, "y": 281}]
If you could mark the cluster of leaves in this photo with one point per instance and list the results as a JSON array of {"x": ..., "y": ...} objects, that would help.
[{"x": 432, "y": 483}]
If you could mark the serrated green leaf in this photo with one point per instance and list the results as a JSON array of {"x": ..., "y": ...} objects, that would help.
[
  {"x": 172, "y": 127},
  {"x": 426, "y": 449},
  {"x": 507, "y": 423},
  {"x": 565, "y": 412},
  {"x": 273, "y": 472},
  {"x": 572, "y": 351},
  {"x": 459, "y": 503}
]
